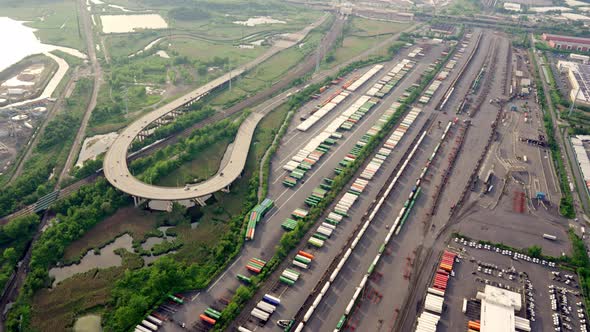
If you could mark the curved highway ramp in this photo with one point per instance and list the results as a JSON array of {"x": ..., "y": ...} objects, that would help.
[{"x": 117, "y": 171}]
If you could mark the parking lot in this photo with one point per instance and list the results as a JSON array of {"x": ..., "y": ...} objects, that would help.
[{"x": 551, "y": 298}]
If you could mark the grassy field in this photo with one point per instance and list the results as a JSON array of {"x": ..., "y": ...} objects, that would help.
[
  {"x": 268, "y": 72},
  {"x": 56, "y": 21},
  {"x": 203, "y": 167},
  {"x": 462, "y": 7},
  {"x": 212, "y": 22},
  {"x": 127, "y": 44},
  {"x": 130, "y": 220},
  {"x": 360, "y": 35},
  {"x": 57, "y": 309},
  {"x": 203, "y": 51}
]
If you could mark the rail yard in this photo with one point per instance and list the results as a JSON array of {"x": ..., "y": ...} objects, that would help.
[
  {"x": 421, "y": 179},
  {"x": 469, "y": 151}
]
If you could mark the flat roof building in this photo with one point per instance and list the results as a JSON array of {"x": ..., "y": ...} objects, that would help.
[
  {"x": 579, "y": 57},
  {"x": 579, "y": 78},
  {"x": 497, "y": 309},
  {"x": 511, "y": 6},
  {"x": 567, "y": 42}
]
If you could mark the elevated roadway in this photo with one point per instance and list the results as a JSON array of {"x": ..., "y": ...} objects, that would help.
[{"x": 115, "y": 165}]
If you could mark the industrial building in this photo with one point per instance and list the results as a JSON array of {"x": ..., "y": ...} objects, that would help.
[
  {"x": 567, "y": 43},
  {"x": 580, "y": 58},
  {"x": 582, "y": 156},
  {"x": 513, "y": 7},
  {"x": 579, "y": 79},
  {"x": 497, "y": 311}
]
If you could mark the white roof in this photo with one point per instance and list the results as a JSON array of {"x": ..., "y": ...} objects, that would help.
[{"x": 497, "y": 309}]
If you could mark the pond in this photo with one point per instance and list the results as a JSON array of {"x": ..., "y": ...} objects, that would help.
[
  {"x": 131, "y": 23},
  {"x": 107, "y": 258},
  {"x": 23, "y": 42},
  {"x": 88, "y": 323}
]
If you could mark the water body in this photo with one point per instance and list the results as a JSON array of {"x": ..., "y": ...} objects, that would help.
[
  {"x": 131, "y": 23},
  {"x": 88, "y": 323},
  {"x": 23, "y": 42},
  {"x": 150, "y": 242},
  {"x": 107, "y": 258}
]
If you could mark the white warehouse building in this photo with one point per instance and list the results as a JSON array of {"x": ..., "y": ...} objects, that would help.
[{"x": 497, "y": 311}]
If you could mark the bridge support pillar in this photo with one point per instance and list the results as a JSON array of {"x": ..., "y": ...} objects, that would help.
[
  {"x": 225, "y": 190},
  {"x": 137, "y": 201},
  {"x": 200, "y": 201}
]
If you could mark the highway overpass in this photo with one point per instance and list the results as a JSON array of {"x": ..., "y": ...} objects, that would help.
[{"x": 115, "y": 165}]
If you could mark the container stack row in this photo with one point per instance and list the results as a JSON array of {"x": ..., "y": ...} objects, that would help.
[
  {"x": 149, "y": 324},
  {"x": 435, "y": 295},
  {"x": 389, "y": 81},
  {"x": 355, "y": 112},
  {"x": 255, "y": 265},
  {"x": 256, "y": 215},
  {"x": 363, "y": 79},
  {"x": 430, "y": 91},
  {"x": 265, "y": 308},
  {"x": 322, "y": 111},
  {"x": 373, "y": 166},
  {"x": 302, "y": 259},
  {"x": 415, "y": 52}
]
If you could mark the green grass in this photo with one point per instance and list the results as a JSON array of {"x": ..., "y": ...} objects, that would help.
[
  {"x": 365, "y": 27},
  {"x": 130, "y": 220},
  {"x": 268, "y": 72},
  {"x": 127, "y": 44},
  {"x": 204, "y": 51},
  {"x": 59, "y": 25},
  {"x": 360, "y": 35},
  {"x": 463, "y": 7},
  {"x": 57, "y": 309}
]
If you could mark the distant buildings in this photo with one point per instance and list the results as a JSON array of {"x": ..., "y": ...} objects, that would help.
[
  {"x": 579, "y": 78},
  {"x": 579, "y": 57},
  {"x": 567, "y": 43},
  {"x": 513, "y": 7}
]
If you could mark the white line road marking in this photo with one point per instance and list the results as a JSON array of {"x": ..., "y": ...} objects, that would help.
[
  {"x": 279, "y": 177},
  {"x": 326, "y": 162},
  {"x": 223, "y": 275},
  {"x": 292, "y": 137},
  {"x": 195, "y": 297}
]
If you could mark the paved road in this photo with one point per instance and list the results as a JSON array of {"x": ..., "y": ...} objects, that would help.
[
  {"x": 97, "y": 72},
  {"x": 117, "y": 171},
  {"x": 286, "y": 200},
  {"x": 581, "y": 203}
]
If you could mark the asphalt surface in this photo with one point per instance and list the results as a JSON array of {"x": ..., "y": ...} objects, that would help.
[
  {"x": 268, "y": 232},
  {"x": 97, "y": 73},
  {"x": 117, "y": 171},
  {"x": 387, "y": 293},
  {"x": 494, "y": 216}
]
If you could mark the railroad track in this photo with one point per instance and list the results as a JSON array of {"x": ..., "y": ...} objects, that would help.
[{"x": 299, "y": 316}]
